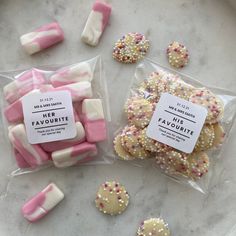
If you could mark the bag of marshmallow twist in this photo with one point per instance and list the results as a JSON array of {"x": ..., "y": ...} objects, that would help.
[
  {"x": 56, "y": 116},
  {"x": 176, "y": 122}
]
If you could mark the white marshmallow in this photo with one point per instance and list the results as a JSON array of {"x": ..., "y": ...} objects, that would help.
[
  {"x": 70, "y": 156},
  {"x": 42, "y": 203},
  {"x": 32, "y": 153},
  {"x": 29, "y": 41},
  {"x": 72, "y": 74},
  {"x": 10, "y": 88},
  {"x": 80, "y": 90},
  {"x": 61, "y": 159},
  {"x": 92, "y": 30},
  {"x": 52, "y": 197},
  {"x": 19, "y": 132},
  {"x": 80, "y": 132},
  {"x": 93, "y": 109}
]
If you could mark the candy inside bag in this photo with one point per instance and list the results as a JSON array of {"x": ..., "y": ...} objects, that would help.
[
  {"x": 56, "y": 116},
  {"x": 163, "y": 112}
]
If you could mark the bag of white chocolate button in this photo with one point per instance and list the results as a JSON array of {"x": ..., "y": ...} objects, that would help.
[
  {"x": 175, "y": 122},
  {"x": 56, "y": 116}
]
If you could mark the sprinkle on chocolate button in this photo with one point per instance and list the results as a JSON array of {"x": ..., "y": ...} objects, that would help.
[
  {"x": 152, "y": 145},
  {"x": 131, "y": 48},
  {"x": 211, "y": 102},
  {"x": 153, "y": 227},
  {"x": 121, "y": 152},
  {"x": 178, "y": 55},
  {"x": 112, "y": 198},
  {"x": 206, "y": 138},
  {"x": 139, "y": 111},
  {"x": 192, "y": 166},
  {"x": 219, "y": 135},
  {"x": 130, "y": 141}
]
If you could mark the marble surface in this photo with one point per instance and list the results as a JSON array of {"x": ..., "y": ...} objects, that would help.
[{"x": 207, "y": 28}]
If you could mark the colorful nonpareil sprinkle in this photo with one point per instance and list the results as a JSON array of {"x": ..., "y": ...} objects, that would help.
[
  {"x": 139, "y": 111},
  {"x": 112, "y": 198},
  {"x": 154, "y": 84},
  {"x": 177, "y": 54},
  {"x": 131, "y": 48},
  {"x": 153, "y": 227},
  {"x": 198, "y": 165},
  {"x": 206, "y": 138},
  {"x": 219, "y": 135},
  {"x": 173, "y": 163},
  {"x": 211, "y": 102},
  {"x": 179, "y": 88},
  {"x": 152, "y": 145},
  {"x": 192, "y": 166},
  {"x": 121, "y": 152},
  {"x": 130, "y": 141}
]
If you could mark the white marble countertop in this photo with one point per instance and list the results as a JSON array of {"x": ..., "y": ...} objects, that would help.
[{"x": 207, "y": 28}]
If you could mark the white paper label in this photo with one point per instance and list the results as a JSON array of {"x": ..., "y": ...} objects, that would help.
[
  {"x": 48, "y": 116},
  {"x": 177, "y": 122}
]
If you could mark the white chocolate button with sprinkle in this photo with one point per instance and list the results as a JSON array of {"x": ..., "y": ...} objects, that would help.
[
  {"x": 131, "y": 48},
  {"x": 173, "y": 163},
  {"x": 152, "y": 145},
  {"x": 219, "y": 135},
  {"x": 121, "y": 152},
  {"x": 153, "y": 86},
  {"x": 179, "y": 88},
  {"x": 153, "y": 227},
  {"x": 139, "y": 111},
  {"x": 130, "y": 141},
  {"x": 112, "y": 198},
  {"x": 192, "y": 166},
  {"x": 177, "y": 54},
  {"x": 198, "y": 165},
  {"x": 205, "y": 139},
  {"x": 211, "y": 102}
]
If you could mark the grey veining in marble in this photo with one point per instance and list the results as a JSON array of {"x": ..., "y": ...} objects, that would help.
[{"x": 207, "y": 28}]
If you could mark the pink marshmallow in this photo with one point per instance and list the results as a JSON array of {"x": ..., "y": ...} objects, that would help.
[
  {"x": 96, "y": 23},
  {"x": 95, "y": 130},
  {"x": 58, "y": 145},
  {"x": 42, "y": 203},
  {"x": 72, "y": 74},
  {"x": 73, "y": 155},
  {"x": 14, "y": 112},
  {"x": 20, "y": 160},
  {"x": 33, "y": 154},
  {"x": 23, "y": 84},
  {"x": 78, "y": 108},
  {"x": 42, "y": 38},
  {"x": 78, "y": 91},
  {"x": 94, "y": 122},
  {"x": 76, "y": 115}
]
